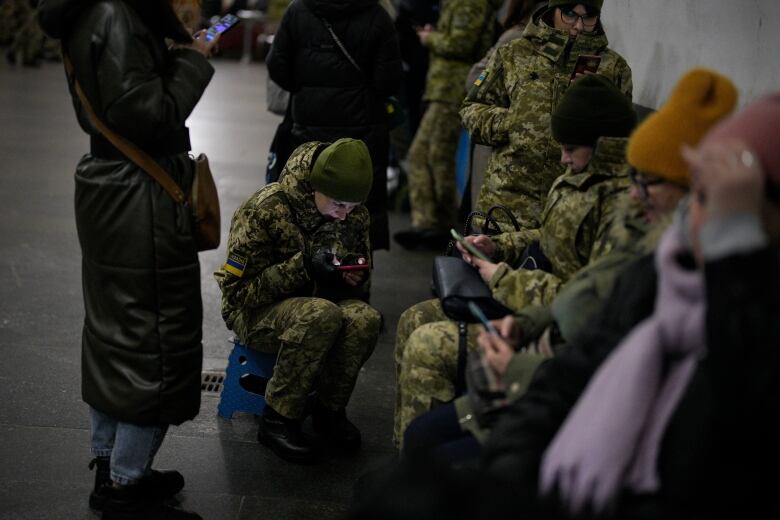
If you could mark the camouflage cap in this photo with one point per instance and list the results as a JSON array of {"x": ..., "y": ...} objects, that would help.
[
  {"x": 343, "y": 171},
  {"x": 700, "y": 99},
  {"x": 593, "y": 107},
  {"x": 592, "y": 5}
]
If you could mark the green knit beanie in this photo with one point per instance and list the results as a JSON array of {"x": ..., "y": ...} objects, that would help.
[
  {"x": 343, "y": 171},
  {"x": 592, "y": 107},
  {"x": 592, "y": 5}
]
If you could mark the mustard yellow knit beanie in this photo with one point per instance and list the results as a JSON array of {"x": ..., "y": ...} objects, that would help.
[{"x": 700, "y": 99}]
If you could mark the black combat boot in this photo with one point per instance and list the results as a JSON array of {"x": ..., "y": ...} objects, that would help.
[
  {"x": 284, "y": 437},
  {"x": 133, "y": 503},
  {"x": 335, "y": 428},
  {"x": 158, "y": 485}
]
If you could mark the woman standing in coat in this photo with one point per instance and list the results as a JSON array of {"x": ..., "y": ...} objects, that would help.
[
  {"x": 141, "y": 343},
  {"x": 331, "y": 98}
]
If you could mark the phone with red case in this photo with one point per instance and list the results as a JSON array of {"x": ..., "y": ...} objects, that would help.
[{"x": 586, "y": 63}]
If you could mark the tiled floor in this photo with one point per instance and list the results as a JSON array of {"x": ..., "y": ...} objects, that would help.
[{"x": 43, "y": 422}]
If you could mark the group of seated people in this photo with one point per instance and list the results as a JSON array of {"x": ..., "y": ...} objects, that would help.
[{"x": 637, "y": 372}]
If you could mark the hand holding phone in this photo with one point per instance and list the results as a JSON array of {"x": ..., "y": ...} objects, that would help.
[
  {"x": 222, "y": 26},
  {"x": 477, "y": 313},
  {"x": 351, "y": 267},
  {"x": 586, "y": 63},
  {"x": 469, "y": 246}
]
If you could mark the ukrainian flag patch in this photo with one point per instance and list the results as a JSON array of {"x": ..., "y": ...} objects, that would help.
[
  {"x": 480, "y": 79},
  {"x": 235, "y": 265}
]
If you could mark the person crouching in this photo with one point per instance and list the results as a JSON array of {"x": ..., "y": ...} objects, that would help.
[{"x": 285, "y": 290}]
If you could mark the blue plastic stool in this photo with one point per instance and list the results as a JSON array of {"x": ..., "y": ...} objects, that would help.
[{"x": 244, "y": 361}]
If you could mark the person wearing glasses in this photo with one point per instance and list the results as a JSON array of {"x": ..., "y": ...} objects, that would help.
[
  {"x": 536, "y": 332},
  {"x": 295, "y": 284},
  {"x": 510, "y": 103},
  {"x": 592, "y": 124}
]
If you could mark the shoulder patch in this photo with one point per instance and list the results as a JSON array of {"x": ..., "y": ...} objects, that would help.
[
  {"x": 235, "y": 265},
  {"x": 480, "y": 78}
]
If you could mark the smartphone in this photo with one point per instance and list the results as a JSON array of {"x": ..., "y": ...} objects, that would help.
[
  {"x": 469, "y": 247},
  {"x": 586, "y": 63},
  {"x": 351, "y": 267},
  {"x": 223, "y": 24},
  {"x": 477, "y": 312}
]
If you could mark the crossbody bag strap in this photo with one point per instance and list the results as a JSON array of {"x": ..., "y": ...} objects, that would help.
[
  {"x": 131, "y": 151},
  {"x": 340, "y": 45}
]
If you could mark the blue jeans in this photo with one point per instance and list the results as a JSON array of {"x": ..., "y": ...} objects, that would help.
[{"x": 131, "y": 447}]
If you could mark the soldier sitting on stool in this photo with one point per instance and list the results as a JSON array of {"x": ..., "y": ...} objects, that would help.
[{"x": 283, "y": 291}]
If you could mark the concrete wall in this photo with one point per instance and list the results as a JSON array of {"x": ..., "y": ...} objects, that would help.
[{"x": 661, "y": 39}]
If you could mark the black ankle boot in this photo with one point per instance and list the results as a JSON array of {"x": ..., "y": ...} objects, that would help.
[
  {"x": 284, "y": 437},
  {"x": 335, "y": 428},
  {"x": 158, "y": 485},
  {"x": 133, "y": 503}
]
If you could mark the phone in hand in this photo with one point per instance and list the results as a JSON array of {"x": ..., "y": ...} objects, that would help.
[
  {"x": 223, "y": 25},
  {"x": 351, "y": 267},
  {"x": 477, "y": 313},
  {"x": 586, "y": 63},
  {"x": 469, "y": 246}
]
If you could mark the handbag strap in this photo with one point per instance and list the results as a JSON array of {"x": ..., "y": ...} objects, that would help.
[
  {"x": 130, "y": 150},
  {"x": 463, "y": 352},
  {"x": 507, "y": 212},
  {"x": 340, "y": 45}
]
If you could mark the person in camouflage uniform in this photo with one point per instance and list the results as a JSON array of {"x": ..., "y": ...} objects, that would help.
[
  {"x": 592, "y": 123},
  {"x": 510, "y": 104},
  {"x": 700, "y": 100},
  {"x": 282, "y": 292},
  {"x": 19, "y": 26},
  {"x": 463, "y": 34}
]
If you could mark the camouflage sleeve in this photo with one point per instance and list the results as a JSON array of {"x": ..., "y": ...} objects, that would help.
[
  {"x": 510, "y": 246},
  {"x": 485, "y": 110},
  {"x": 623, "y": 79},
  {"x": 464, "y": 31},
  {"x": 519, "y": 288},
  {"x": 249, "y": 278},
  {"x": 600, "y": 240},
  {"x": 532, "y": 320}
]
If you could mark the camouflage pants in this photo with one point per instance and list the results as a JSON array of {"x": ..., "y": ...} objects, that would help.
[
  {"x": 432, "y": 190},
  {"x": 321, "y": 347},
  {"x": 426, "y": 359}
]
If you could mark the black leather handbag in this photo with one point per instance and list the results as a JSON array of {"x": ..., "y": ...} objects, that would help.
[{"x": 457, "y": 283}]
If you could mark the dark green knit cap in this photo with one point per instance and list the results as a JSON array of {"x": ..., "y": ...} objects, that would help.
[
  {"x": 343, "y": 171},
  {"x": 592, "y": 107},
  {"x": 592, "y": 5}
]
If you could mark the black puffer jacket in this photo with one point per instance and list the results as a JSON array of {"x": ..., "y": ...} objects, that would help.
[
  {"x": 141, "y": 346},
  {"x": 330, "y": 97}
]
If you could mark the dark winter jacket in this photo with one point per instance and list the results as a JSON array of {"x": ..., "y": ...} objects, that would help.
[
  {"x": 719, "y": 454},
  {"x": 141, "y": 346},
  {"x": 330, "y": 97}
]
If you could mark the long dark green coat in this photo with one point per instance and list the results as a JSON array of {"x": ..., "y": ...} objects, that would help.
[{"x": 141, "y": 346}]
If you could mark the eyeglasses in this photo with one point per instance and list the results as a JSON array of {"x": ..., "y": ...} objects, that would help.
[
  {"x": 642, "y": 181},
  {"x": 570, "y": 17}
]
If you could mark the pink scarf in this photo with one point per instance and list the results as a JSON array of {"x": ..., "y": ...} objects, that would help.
[{"x": 611, "y": 438}]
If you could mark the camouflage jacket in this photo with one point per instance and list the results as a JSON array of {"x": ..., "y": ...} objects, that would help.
[
  {"x": 579, "y": 212},
  {"x": 509, "y": 108},
  {"x": 629, "y": 237},
  {"x": 271, "y": 232},
  {"x": 464, "y": 33}
]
